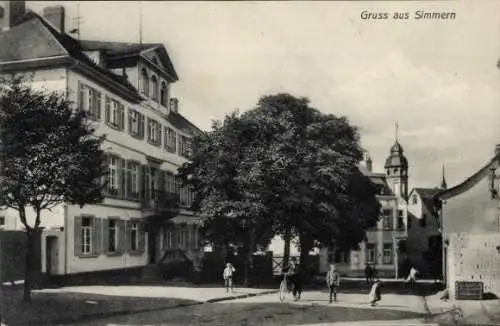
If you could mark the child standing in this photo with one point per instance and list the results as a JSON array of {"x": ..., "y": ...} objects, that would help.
[
  {"x": 333, "y": 282},
  {"x": 228, "y": 276},
  {"x": 375, "y": 293}
]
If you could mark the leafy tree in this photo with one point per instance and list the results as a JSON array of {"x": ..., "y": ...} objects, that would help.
[
  {"x": 49, "y": 155},
  {"x": 293, "y": 167}
]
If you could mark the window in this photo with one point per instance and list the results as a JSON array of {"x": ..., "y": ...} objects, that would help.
[
  {"x": 170, "y": 140},
  {"x": 414, "y": 199},
  {"x": 113, "y": 174},
  {"x": 401, "y": 224},
  {"x": 164, "y": 94},
  {"x": 370, "y": 253},
  {"x": 186, "y": 197},
  {"x": 177, "y": 185},
  {"x": 115, "y": 113},
  {"x": 154, "y": 85},
  {"x": 170, "y": 182},
  {"x": 184, "y": 146},
  {"x": 387, "y": 219},
  {"x": 154, "y": 132},
  {"x": 112, "y": 236},
  {"x": 133, "y": 179},
  {"x": 134, "y": 236},
  {"x": 387, "y": 258},
  {"x": 2, "y": 220},
  {"x": 145, "y": 82},
  {"x": 181, "y": 239},
  {"x": 90, "y": 101},
  {"x": 86, "y": 235},
  {"x": 423, "y": 221},
  {"x": 168, "y": 239},
  {"x": 136, "y": 124},
  {"x": 341, "y": 257}
]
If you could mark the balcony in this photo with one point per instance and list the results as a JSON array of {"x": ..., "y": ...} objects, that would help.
[{"x": 159, "y": 200}]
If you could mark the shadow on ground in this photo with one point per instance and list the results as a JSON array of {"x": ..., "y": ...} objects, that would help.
[{"x": 254, "y": 314}]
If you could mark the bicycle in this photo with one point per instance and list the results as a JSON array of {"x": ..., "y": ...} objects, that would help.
[{"x": 283, "y": 288}]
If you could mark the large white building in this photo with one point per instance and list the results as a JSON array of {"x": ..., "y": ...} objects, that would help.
[{"x": 126, "y": 88}]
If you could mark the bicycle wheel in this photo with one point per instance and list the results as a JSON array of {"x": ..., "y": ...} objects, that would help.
[{"x": 283, "y": 290}]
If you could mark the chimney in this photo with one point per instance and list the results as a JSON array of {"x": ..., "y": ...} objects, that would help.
[
  {"x": 174, "y": 105},
  {"x": 10, "y": 14},
  {"x": 56, "y": 16},
  {"x": 369, "y": 164}
]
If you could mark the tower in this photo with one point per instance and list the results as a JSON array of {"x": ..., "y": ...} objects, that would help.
[
  {"x": 396, "y": 167},
  {"x": 444, "y": 185},
  {"x": 10, "y": 13}
]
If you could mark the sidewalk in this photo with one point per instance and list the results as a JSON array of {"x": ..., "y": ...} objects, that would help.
[{"x": 199, "y": 294}]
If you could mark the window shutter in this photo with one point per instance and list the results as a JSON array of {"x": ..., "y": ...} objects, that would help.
[
  {"x": 143, "y": 183},
  {"x": 105, "y": 236},
  {"x": 122, "y": 237},
  {"x": 142, "y": 237},
  {"x": 105, "y": 177},
  {"x": 159, "y": 131},
  {"x": 81, "y": 94},
  {"x": 123, "y": 178},
  {"x": 130, "y": 119},
  {"x": 121, "y": 116},
  {"x": 128, "y": 231},
  {"x": 108, "y": 109},
  {"x": 98, "y": 105},
  {"x": 97, "y": 236},
  {"x": 128, "y": 180},
  {"x": 78, "y": 235},
  {"x": 141, "y": 126}
]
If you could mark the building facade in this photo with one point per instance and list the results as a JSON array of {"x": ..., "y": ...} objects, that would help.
[{"x": 126, "y": 89}]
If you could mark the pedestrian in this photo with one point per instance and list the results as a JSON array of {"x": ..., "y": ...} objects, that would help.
[
  {"x": 295, "y": 278},
  {"x": 333, "y": 282},
  {"x": 412, "y": 277},
  {"x": 375, "y": 293},
  {"x": 228, "y": 276},
  {"x": 368, "y": 273}
]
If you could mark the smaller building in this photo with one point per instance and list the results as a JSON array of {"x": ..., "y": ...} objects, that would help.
[{"x": 471, "y": 229}]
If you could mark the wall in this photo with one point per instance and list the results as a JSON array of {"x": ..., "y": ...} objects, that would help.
[
  {"x": 102, "y": 262},
  {"x": 472, "y": 211},
  {"x": 474, "y": 257}
]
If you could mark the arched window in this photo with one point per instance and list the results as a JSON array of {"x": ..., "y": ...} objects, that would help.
[
  {"x": 163, "y": 94},
  {"x": 145, "y": 82},
  {"x": 154, "y": 84}
]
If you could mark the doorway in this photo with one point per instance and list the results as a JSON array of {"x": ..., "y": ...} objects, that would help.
[{"x": 52, "y": 255}]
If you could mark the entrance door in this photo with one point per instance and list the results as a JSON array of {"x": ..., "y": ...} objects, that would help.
[{"x": 52, "y": 255}]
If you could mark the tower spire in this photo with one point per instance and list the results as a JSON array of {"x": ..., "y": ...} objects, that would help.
[
  {"x": 444, "y": 185},
  {"x": 396, "y": 134}
]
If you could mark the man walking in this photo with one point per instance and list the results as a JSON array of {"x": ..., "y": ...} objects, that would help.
[
  {"x": 294, "y": 277},
  {"x": 333, "y": 282}
]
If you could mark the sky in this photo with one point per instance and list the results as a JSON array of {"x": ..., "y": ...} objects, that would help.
[{"x": 437, "y": 78}]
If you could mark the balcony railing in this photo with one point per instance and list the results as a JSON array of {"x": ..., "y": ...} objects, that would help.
[{"x": 161, "y": 200}]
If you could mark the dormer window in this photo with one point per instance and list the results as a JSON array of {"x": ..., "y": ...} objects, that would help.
[
  {"x": 145, "y": 82},
  {"x": 163, "y": 94},
  {"x": 414, "y": 199},
  {"x": 154, "y": 85}
]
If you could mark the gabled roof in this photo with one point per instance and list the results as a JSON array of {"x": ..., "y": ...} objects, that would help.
[
  {"x": 427, "y": 192},
  {"x": 118, "y": 50},
  {"x": 378, "y": 179},
  {"x": 35, "y": 39},
  {"x": 469, "y": 182}
]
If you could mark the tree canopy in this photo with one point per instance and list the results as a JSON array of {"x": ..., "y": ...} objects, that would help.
[
  {"x": 289, "y": 166},
  {"x": 49, "y": 153}
]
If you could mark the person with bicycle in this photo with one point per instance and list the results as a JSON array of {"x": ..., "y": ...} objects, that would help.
[{"x": 292, "y": 271}]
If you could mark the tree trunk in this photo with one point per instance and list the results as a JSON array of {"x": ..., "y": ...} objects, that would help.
[
  {"x": 305, "y": 247},
  {"x": 286, "y": 250},
  {"x": 248, "y": 258},
  {"x": 31, "y": 236}
]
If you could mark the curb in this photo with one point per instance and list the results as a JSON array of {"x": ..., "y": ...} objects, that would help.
[{"x": 241, "y": 296}]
